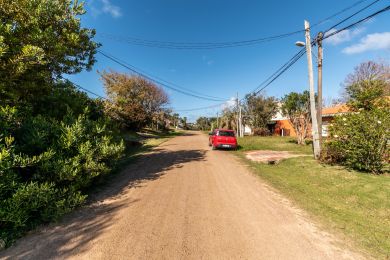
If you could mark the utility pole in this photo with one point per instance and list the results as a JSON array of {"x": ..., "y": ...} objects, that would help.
[
  {"x": 313, "y": 110},
  {"x": 238, "y": 117},
  {"x": 217, "y": 121},
  {"x": 240, "y": 122},
  {"x": 319, "y": 91}
]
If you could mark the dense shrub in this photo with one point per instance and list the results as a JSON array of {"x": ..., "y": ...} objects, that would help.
[
  {"x": 360, "y": 140},
  {"x": 54, "y": 140},
  {"x": 262, "y": 131},
  {"x": 46, "y": 165}
]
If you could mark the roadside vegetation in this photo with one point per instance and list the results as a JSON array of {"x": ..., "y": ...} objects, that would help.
[
  {"x": 55, "y": 141},
  {"x": 351, "y": 203},
  {"x": 349, "y": 189},
  {"x": 360, "y": 139}
]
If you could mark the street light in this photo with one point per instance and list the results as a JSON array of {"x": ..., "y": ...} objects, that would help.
[{"x": 300, "y": 44}]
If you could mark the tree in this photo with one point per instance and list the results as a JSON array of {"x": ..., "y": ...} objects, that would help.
[
  {"x": 133, "y": 100},
  {"x": 369, "y": 82},
  {"x": 175, "y": 119},
  {"x": 229, "y": 119},
  {"x": 39, "y": 41},
  {"x": 203, "y": 123},
  {"x": 183, "y": 122},
  {"x": 259, "y": 109},
  {"x": 296, "y": 107}
]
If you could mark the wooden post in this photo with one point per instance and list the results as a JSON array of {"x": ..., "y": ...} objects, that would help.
[
  {"x": 313, "y": 109},
  {"x": 319, "y": 91}
]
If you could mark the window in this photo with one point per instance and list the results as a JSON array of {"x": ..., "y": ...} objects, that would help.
[{"x": 226, "y": 133}]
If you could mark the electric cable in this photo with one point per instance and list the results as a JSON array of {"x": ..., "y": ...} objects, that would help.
[
  {"x": 217, "y": 45},
  {"x": 159, "y": 82}
]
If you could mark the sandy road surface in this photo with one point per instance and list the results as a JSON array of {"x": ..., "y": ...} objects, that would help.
[{"x": 183, "y": 201}]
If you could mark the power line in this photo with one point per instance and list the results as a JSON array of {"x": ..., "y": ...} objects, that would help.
[
  {"x": 199, "y": 108},
  {"x": 352, "y": 15},
  {"x": 165, "y": 81},
  {"x": 387, "y": 8},
  {"x": 217, "y": 45},
  {"x": 196, "y": 46},
  {"x": 298, "y": 55},
  {"x": 338, "y": 13},
  {"x": 278, "y": 72},
  {"x": 159, "y": 82},
  {"x": 264, "y": 84},
  {"x": 270, "y": 79},
  {"x": 80, "y": 87}
]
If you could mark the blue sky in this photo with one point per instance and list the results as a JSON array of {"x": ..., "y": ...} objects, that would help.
[{"x": 224, "y": 72}]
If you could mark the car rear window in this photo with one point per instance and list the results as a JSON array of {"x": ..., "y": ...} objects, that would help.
[{"x": 226, "y": 133}]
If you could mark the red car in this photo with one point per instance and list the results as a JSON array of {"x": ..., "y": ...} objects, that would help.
[{"x": 222, "y": 138}]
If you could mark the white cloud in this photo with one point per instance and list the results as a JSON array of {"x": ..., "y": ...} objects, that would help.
[
  {"x": 111, "y": 9},
  {"x": 343, "y": 36},
  {"x": 230, "y": 103},
  {"x": 375, "y": 41},
  {"x": 105, "y": 7}
]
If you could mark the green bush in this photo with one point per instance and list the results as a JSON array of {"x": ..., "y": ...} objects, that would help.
[
  {"x": 360, "y": 140},
  {"x": 46, "y": 165}
]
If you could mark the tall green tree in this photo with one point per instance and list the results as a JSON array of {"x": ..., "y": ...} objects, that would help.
[
  {"x": 39, "y": 41},
  {"x": 259, "y": 109},
  {"x": 203, "y": 123},
  {"x": 228, "y": 119},
  {"x": 296, "y": 107},
  {"x": 175, "y": 119}
]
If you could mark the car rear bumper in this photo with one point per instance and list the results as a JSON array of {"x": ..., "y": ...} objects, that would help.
[{"x": 226, "y": 146}]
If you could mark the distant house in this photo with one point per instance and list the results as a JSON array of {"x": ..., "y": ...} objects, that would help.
[
  {"x": 247, "y": 130},
  {"x": 328, "y": 115},
  {"x": 281, "y": 126}
]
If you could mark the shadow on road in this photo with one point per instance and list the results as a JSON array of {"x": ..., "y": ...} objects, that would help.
[
  {"x": 148, "y": 167},
  {"x": 75, "y": 232}
]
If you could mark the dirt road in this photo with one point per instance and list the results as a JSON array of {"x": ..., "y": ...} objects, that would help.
[{"x": 184, "y": 201}]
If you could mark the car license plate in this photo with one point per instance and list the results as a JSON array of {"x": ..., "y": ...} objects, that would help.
[{"x": 226, "y": 145}]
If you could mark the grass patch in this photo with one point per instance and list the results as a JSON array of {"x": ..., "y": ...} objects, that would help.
[
  {"x": 353, "y": 203},
  {"x": 275, "y": 143}
]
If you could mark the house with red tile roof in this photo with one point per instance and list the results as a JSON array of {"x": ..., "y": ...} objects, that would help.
[{"x": 281, "y": 126}]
